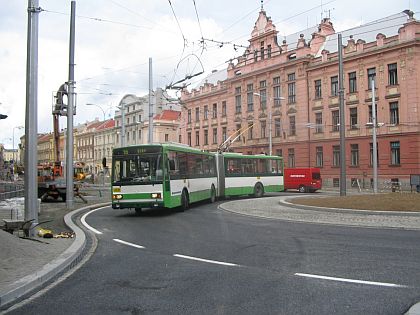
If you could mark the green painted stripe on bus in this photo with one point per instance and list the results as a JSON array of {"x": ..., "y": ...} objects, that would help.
[{"x": 237, "y": 191}]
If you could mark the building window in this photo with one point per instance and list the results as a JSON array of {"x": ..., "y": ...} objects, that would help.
[
  {"x": 319, "y": 157},
  {"x": 353, "y": 118},
  {"x": 371, "y": 76},
  {"x": 291, "y": 88},
  {"x": 392, "y": 74},
  {"x": 395, "y": 153},
  {"x": 318, "y": 91},
  {"x": 292, "y": 125},
  {"x": 238, "y": 100},
  {"x": 394, "y": 117},
  {"x": 279, "y": 152},
  {"x": 140, "y": 134},
  {"x": 189, "y": 138},
  {"x": 291, "y": 158},
  {"x": 334, "y": 86},
  {"x": 370, "y": 113},
  {"x": 336, "y": 156},
  {"x": 276, "y": 96},
  {"x": 318, "y": 123},
  {"x": 255, "y": 55},
  {"x": 166, "y": 137},
  {"x": 250, "y": 99},
  {"x": 250, "y": 131},
  {"x": 189, "y": 116},
  {"x": 206, "y": 112},
  {"x": 263, "y": 129},
  {"x": 277, "y": 127},
  {"x": 262, "y": 50},
  {"x": 224, "y": 134},
  {"x": 352, "y": 82},
  {"x": 354, "y": 154},
  {"x": 214, "y": 135},
  {"x": 197, "y": 138},
  {"x": 371, "y": 154},
  {"x": 238, "y": 129},
  {"x": 206, "y": 137},
  {"x": 335, "y": 120},
  {"x": 197, "y": 114},
  {"x": 214, "y": 114},
  {"x": 223, "y": 108},
  {"x": 269, "y": 51},
  {"x": 263, "y": 98}
]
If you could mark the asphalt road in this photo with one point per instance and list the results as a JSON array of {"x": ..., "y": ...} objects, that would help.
[{"x": 208, "y": 261}]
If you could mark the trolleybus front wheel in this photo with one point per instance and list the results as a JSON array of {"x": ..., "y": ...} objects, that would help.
[{"x": 258, "y": 190}]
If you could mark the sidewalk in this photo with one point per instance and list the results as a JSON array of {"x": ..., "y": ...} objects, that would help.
[{"x": 27, "y": 264}]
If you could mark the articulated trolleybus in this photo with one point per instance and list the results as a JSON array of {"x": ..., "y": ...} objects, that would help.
[{"x": 174, "y": 175}]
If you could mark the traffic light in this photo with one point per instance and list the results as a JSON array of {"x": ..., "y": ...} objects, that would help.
[{"x": 104, "y": 162}]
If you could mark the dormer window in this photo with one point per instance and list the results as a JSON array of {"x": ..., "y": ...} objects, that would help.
[
  {"x": 262, "y": 50},
  {"x": 291, "y": 56},
  {"x": 269, "y": 51}
]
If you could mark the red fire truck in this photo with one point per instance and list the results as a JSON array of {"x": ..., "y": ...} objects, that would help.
[{"x": 302, "y": 179}]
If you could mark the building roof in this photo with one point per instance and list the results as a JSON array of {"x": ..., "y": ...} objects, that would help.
[
  {"x": 168, "y": 115},
  {"x": 387, "y": 26},
  {"x": 214, "y": 77},
  {"x": 107, "y": 124}
]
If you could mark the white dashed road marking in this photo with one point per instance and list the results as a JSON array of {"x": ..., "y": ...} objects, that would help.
[
  {"x": 128, "y": 243},
  {"x": 207, "y": 260},
  {"x": 384, "y": 284}
]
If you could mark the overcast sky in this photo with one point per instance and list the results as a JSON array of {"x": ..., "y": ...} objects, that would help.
[{"x": 115, "y": 38}]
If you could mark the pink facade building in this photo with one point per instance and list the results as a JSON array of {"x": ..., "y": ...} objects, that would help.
[{"x": 285, "y": 96}]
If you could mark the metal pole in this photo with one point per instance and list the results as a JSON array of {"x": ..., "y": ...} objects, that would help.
[
  {"x": 374, "y": 146},
  {"x": 270, "y": 136},
  {"x": 71, "y": 100},
  {"x": 31, "y": 118},
  {"x": 150, "y": 103},
  {"x": 342, "y": 120},
  {"x": 122, "y": 107}
]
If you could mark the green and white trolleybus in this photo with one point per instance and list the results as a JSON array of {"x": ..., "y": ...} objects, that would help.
[{"x": 175, "y": 175}]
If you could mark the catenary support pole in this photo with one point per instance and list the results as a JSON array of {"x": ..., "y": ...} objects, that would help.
[
  {"x": 31, "y": 117},
  {"x": 70, "y": 107},
  {"x": 342, "y": 119},
  {"x": 150, "y": 140},
  {"x": 374, "y": 145}
]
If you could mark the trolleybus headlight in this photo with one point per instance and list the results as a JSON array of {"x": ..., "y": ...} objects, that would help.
[
  {"x": 118, "y": 197},
  {"x": 156, "y": 195}
]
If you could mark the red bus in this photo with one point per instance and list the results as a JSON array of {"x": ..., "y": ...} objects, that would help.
[{"x": 302, "y": 179}]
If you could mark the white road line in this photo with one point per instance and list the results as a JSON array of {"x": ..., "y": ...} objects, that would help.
[
  {"x": 83, "y": 219},
  {"x": 384, "y": 284},
  {"x": 206, "y": 260},
  {"x": 128, "y": 243}
]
